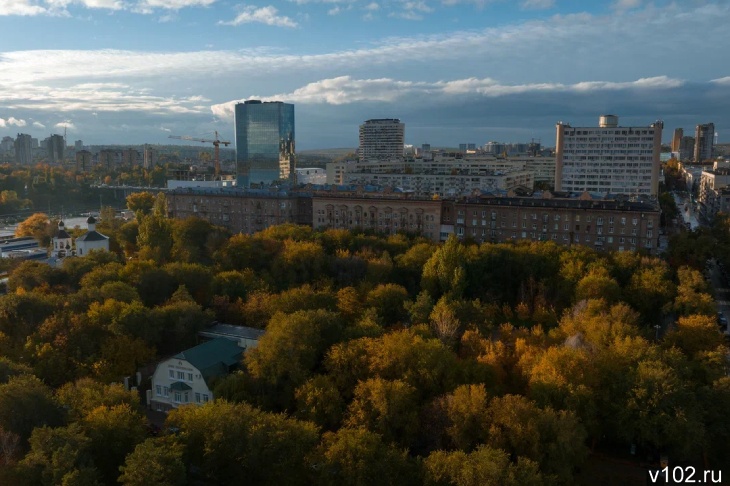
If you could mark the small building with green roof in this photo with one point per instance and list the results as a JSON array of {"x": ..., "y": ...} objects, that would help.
[{"x": 186, "y": 378}]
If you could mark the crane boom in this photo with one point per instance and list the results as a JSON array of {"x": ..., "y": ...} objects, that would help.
[{"x": 216, "y": 144}]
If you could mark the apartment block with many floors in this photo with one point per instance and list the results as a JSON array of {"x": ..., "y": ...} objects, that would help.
[{"x": 608, "y": 158}]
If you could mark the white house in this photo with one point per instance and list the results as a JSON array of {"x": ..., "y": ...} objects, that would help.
[
  {"x": 186, "y": 377},
  {"x": 91, "y": 240}
]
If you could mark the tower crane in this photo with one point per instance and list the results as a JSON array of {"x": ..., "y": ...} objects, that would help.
[{"x": 216, "y": 143}]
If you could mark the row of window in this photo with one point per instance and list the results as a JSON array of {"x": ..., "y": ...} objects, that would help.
[
  {"x": 599, "y": 240},
  {"x": 181, "y": 397},
  {"x": 181, "y": 375}
]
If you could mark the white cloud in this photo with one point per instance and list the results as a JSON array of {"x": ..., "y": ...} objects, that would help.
[
  {"x": 12, "y": 122},
  {"x": 21, "y": 7},
  {"x": 39, "y": 125},
  {"x": 722, "y": 81},
  {"x": 626, "y": 4},
  {"x": 537, "y": 4},
  {"x": 149, "y": 6},
  {"x": 345, "y": 90},
  {"x": 372, "y": 7},
  {"x": 67, "y": 124},
  {"x": 263, "y": 15}
]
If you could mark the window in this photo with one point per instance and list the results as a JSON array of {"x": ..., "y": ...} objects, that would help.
[
  {"x": 205, "y": 398},
  {"x": 178, "y": 397},
  {"x": 158, "y": 390},
  {"x": 197, "y": 398},
  {"x": 180, "y": 375},
  {"x": 165, "y": 391},
  {"x": 190, "y": 377},
  {"x": 187, "y": 397},
  {"x": 172, "y": 374}
]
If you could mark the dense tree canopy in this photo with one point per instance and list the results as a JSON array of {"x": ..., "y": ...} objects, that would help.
[{"x": 385, "y": 359}]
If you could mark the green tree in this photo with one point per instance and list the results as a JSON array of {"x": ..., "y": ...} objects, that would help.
[
  {"x": 154, "y": 461},
  {"x": 386, "y": 407},
  {"x": 26, "y": 403},
  {"x": 85, "y": 395},
  {"x": 59, "y": 456},
  {"x": 388, "y": 300},
  {"x": 291, "y": 349},
  {"x": 114, "y": 432},
  {"x": 358, "y": 457},
  {"x": 239, "y": 444},
  {"x": 319, "y": 401},
  {"x": 444, "y": 272},
  {"x": 141, "y": 203},
  {"x": 483, "y": 467}
]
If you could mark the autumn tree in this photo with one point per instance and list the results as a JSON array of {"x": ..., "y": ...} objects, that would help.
[
  {"x": 154, "y": 461},
  {"x": 483, "y": 467},
  {"x": 39, "y": 227},
  {"x": 358, "y": 457}
]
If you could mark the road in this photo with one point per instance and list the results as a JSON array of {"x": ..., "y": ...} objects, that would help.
[{"x": 689, "y": 215}]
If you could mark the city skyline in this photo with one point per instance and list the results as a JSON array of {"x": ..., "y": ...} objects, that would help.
[{"x": 452, "y": 71}]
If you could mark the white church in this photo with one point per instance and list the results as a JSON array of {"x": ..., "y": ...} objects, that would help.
[{"x": 63, "y": 244}]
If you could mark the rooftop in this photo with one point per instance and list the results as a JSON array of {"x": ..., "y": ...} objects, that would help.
[{"x": 212, "y": 358}]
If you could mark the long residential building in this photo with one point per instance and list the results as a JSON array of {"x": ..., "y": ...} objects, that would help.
[
  {"x": 446, "y": 175},
  {"x": 608, "y": 158},
  {"x": 495, "y": 216}
]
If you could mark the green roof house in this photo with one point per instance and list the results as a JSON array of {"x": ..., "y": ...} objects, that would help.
[{"x": 186, "y": 377}]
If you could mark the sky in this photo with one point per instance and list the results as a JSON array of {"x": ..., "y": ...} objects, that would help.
[{"x": 454, "y": 71}]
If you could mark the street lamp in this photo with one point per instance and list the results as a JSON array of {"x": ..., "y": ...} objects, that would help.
[{"x": 657, "y": 327}]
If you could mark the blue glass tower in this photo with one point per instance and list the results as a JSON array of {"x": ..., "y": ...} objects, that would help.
[{"x": 264, "y": 142}]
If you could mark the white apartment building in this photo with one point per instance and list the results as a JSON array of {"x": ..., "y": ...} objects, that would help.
[
  {"x": 608, "y": 158},
  {"x": 713, "y": 191},
  {"x": 441, "y": 176},
  {"x": 381, "y": 139}
]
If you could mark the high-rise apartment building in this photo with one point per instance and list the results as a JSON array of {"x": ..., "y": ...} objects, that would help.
[
  {"x": 264, "y": 142},
  {"x": 23, "y": 149},
  {"x": 686, "y": 148},
  {"x": 83, "y": 160},
  {"x": 381, "y": 139},
  {"x": 677, "y": 139},
  {"x": 56, "y": 148},
  {"x": 608, "y": 158},
  {"x": 78, "y": 145},
  {"x": 704, "y": 141}
]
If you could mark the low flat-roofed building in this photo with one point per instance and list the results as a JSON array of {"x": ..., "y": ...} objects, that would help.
[{"x": 245, "y": 337}]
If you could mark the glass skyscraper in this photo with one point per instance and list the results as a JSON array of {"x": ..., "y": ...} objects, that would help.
[{"x": 264, "y": 142}]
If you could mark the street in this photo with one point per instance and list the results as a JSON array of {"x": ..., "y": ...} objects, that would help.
[{"x": 689, "y": 215}]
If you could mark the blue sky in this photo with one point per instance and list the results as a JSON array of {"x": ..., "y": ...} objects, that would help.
[{"x": 455, "y": 71}]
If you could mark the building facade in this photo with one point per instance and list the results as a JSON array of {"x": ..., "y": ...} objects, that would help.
[
  {"x": 23, "y": 149},
  {"x": 608, "y": 158},
  {"x": 56, "y": 148},
  {"x": 713, "y": 184},
  {"x": 186, "y": 377},
  {"x": 597, "y": 223},
  {"x": 704, "y": 142},
  {"x": 264, "y": 142},
  {"x": 446, "y": 174},
  {"x": 83, "y": 160},
  {"x": 387, "y": 214},
  {"x": 238, "y": 210},
  {"x": 381, "y": 139}
]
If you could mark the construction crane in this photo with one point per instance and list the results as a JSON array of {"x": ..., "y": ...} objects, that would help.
[{"x": 216, "y": 143}]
